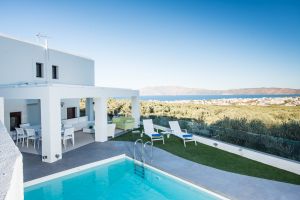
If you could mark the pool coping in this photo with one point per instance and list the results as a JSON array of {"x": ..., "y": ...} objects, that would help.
[
  {"x": 73, "y": 170},
  {"x": 182, "y": 180},
  {"x": 116, "y": 158}
]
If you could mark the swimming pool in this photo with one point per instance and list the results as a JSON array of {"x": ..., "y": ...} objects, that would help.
[{"x": 115, "y": 180}]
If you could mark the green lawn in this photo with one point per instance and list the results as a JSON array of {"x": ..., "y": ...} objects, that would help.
[{"x": 219, "y": 159}]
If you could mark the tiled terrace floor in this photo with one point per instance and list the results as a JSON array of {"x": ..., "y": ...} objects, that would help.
[{"x": 231, "y": 185}]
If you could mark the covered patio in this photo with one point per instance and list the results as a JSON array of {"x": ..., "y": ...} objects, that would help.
[
  {"x": 50, "y": 97},
  {"x": 81, "y": 139}
]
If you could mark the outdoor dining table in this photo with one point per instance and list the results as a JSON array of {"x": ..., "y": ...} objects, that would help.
[{"x": 35, "y": 127}]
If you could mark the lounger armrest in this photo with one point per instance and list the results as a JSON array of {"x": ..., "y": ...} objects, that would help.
[
  {"x": 184, "y": 130},
  {"x": 156, "y": 129}
]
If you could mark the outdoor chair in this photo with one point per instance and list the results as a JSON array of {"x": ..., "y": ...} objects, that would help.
[
  {"x": 68, "y": 135},
  {"x": 183, "y": 134},
  {"x": 111, "y": 130},
  {"x": 21, "y": 136},
  {"x": 31, "y": 136},
  {"x": 151, "y": 132}
]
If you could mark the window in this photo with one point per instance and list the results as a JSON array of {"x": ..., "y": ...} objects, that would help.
[
  {"x": 54, "y": 72},
  {"x": 39, "y": 70}
]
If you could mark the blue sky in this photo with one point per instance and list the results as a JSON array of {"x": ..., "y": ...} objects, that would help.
[{"x": 209, "y": 44}]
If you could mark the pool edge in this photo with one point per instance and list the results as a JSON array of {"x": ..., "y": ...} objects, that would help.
[
  {"x": 201, "y": 188},
  {"x": 115, "y": 158},
  {"x": 73, "y": 170}
]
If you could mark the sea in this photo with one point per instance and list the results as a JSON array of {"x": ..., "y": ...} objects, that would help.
[{"x": 209, "y": 97}]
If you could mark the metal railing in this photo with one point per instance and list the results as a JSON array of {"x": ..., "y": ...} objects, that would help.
[
  {"x": 139, "y": 168},
  {"x": 134, "y": 149},
  {"x": 151, "y": 150}
]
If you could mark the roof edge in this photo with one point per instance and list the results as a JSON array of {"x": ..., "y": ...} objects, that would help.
[{"x": 42, "y": 46}]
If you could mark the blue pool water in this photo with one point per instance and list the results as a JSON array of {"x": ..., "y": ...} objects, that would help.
[{"x": 114, "y": 181}]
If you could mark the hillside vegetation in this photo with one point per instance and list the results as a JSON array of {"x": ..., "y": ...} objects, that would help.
[
  {"x": 210, "y": 114},
  {"x": 271, "y": 129}
]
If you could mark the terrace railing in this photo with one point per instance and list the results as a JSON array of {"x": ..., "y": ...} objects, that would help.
[{"x": 263, "y": 142}]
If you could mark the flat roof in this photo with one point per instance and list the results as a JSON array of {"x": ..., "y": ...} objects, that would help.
[
  {"x": 39, "y": 91},
  {"x": 40, "y": 45}
]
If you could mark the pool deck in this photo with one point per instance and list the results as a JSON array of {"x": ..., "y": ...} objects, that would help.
[{"x": 231, "y": 185}]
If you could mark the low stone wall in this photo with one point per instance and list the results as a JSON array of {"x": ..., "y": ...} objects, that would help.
[
  {"x": 11, "y": 168},
  {"x": 275, "y": 161}
]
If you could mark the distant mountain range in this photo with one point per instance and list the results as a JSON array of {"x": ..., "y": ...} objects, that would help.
[{"x": 175, "y": 90}]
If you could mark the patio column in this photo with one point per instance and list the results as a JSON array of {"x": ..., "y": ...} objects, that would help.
[
  {"x": 89, "y": 108},
  {"x": 2, "y": 110},
  {"x": 51, "y": 129},
  {"x": 101, "y": 119},
  {"x": 135, "y": 110}
]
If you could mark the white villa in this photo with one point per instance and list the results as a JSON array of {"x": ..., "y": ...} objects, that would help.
[
  {"x": 40, "y": 93},
  {"x": 43, "y": 87}
]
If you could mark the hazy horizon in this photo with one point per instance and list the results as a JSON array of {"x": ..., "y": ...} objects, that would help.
[
  {"x": 214, "y": 45},
  {"x": 216, "y": 88}
]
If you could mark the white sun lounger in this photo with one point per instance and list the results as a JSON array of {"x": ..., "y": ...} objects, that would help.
[
  {"x": 176, "y": 130},
  {"x": 150, "y": 131}
]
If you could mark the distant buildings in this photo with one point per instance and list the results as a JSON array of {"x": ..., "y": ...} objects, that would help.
[{"x": 284, "y": 101}]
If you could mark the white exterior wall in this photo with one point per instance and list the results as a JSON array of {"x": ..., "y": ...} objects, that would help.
[
  {"x": 1, "y": 109},
  {"x": 18, "y": 64},
  {"x": 51, "y": 127},
  {"x": 11, "y": 168},
  {"x": 18, "y": 61},
  {"x": 16, "y": 191},
  {"x": 72, "y": 69},
  {"x": 100, "y": 119},
  {"x": 135, "y": 110},
  {"x": 70, "y": 103},
  {"x": 89, "y": 109}
]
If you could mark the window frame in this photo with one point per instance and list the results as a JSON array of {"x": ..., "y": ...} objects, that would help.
[
  {"x": 55, "y": 71},
  {"x": 40, "y": 66}
]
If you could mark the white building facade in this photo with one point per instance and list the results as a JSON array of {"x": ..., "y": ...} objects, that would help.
[{"x": 39, "y": 85}]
